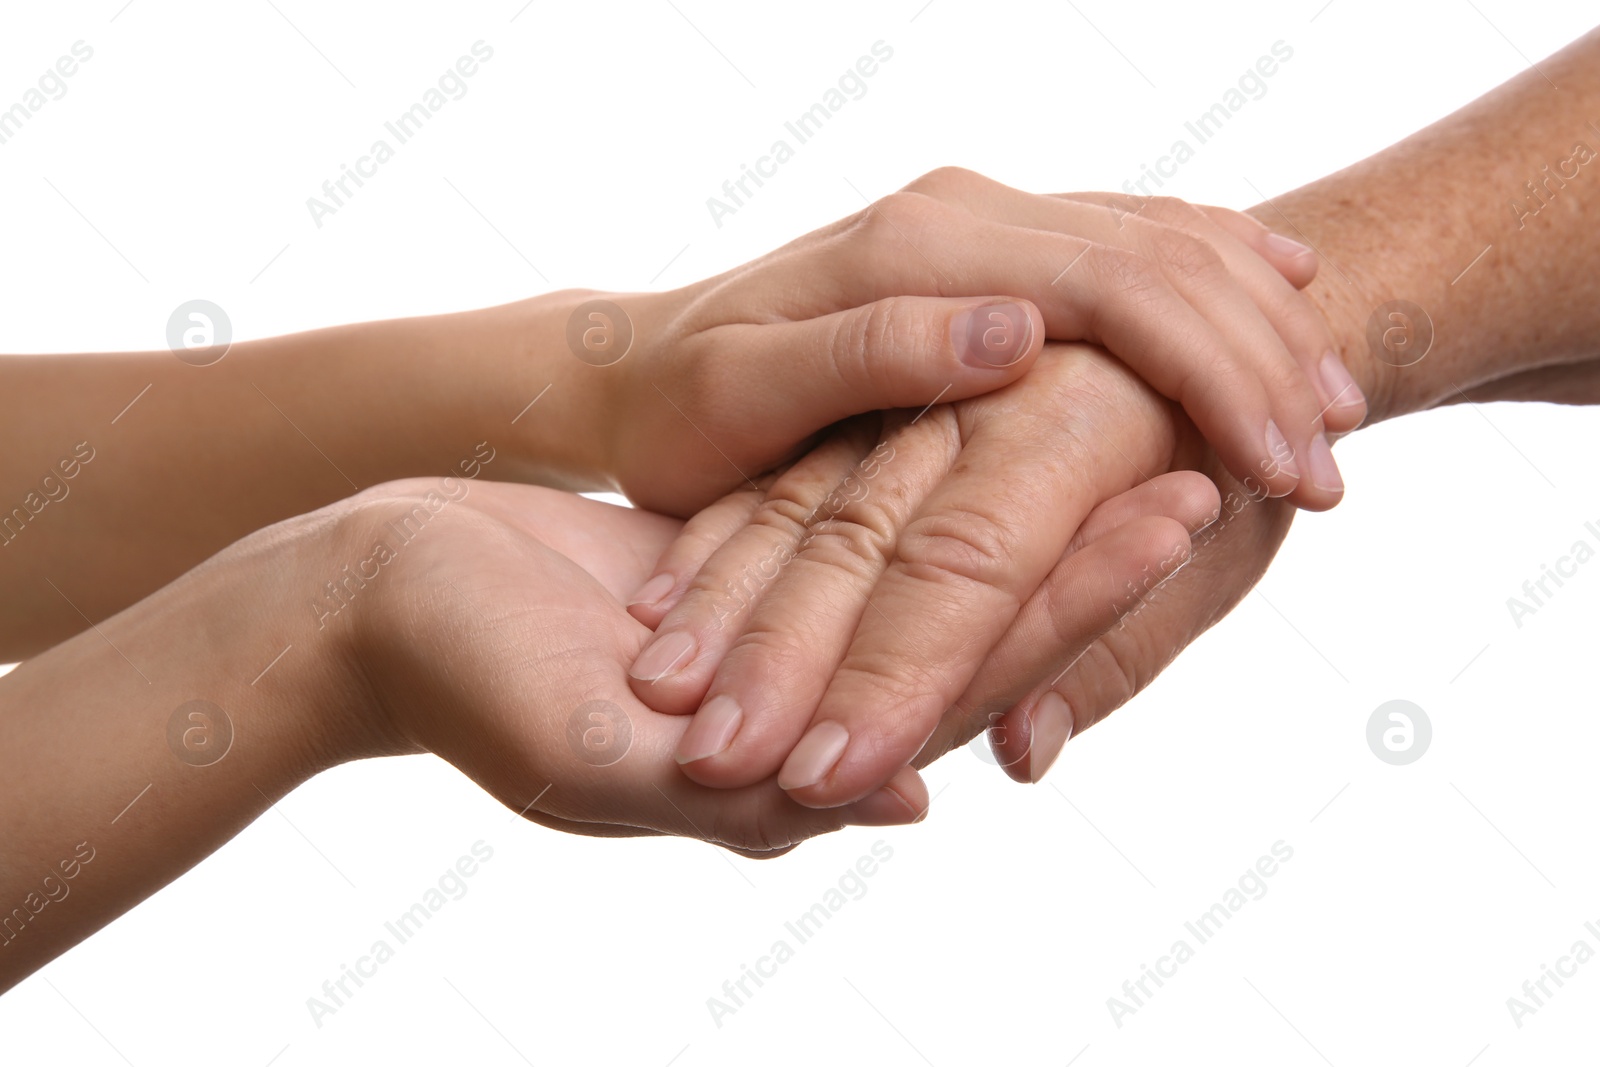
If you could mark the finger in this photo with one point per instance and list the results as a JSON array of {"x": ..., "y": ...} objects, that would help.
[
  {"x": 1285, "y": 404},
  {"x": 894, "y": 351},
  {"x": 1090, "y": 290},
  {"x": 1247, "y": 247},
  {"x": 1089, "y": 593},
  {"x": 976, "y": 549},
  {"x": 672, "y": 672},
  {"x": 1076, "y": 612},
  {"x": 1300, "y": 325},
  {"x": 701, "y": 536},
  {"x": 768, "y": 686},
  {"x": 1240, "y": 240},
  {"x": 1296, "y": 263},
  {"x": 627, "y": 783},
  {"x": 1292, "y": 260},
  {"x": 1187, "y": 497},
  {"x": 645, "y": 789},
  {"x": 1078, "y": 691}
]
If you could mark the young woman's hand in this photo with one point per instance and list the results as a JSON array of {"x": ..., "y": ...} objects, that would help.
[
  {"x": 946, "y": 290},
  {"x": 496, "y": 638}
]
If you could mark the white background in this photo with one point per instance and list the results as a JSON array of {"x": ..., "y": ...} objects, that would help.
[{"x": 1418, "y": 898}]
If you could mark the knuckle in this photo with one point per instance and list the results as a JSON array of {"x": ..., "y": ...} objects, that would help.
[
  {"x": 1295, "y": 316},
  {"x": 858, "y": 546},
  {"x": 1287, "y": 383},
  {"x": 1216, "y": 216},
  {"x": 957, "y": 546},
  {"x": 879, "y": 329},
  {"x": 901, "y": 213},
  {"x": 779, "y": 650},
  {"x": 1174, "y": 211},
  {"x": 789, "y": 657},
  {"x": 1185, "y": 256},
  {"x": 785, "y": 513},
  {"x": 1108, "y": 680},
  {"x": 1129, "y": 275},
  {"x": 897, "y": 687},
  {"x": 945, "y": 180}
]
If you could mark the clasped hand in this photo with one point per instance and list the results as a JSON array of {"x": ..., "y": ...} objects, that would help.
[{"x": 925, "y": 570}]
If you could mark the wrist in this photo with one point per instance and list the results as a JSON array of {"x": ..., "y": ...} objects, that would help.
[
  {"x": 1346, "y": 309},
  {"x": 270, "y": 638},
  {"x": 547, "y": 411},
  {"x": 590, "y": 353}
]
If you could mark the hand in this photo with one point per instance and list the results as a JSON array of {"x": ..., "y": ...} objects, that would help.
[
  {"x": 725, "y": 378},
  {"x": 1038, "y": 690},
  {"x": 444, "y": 616},
  {"x": 946, "y": 290},
  {"x": 855, "y": 603},
  {"x": 496, "y": 639}
]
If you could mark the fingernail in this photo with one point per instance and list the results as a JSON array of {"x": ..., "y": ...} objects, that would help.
[
  {"x": 1286, "y": 247},
  {"x": 1282, "y": 456},
  {"x": 653, "y": 590},
  {"x": 814, "y": 756},
  {"x": 995, "y": 335},
  {"x": 1052, "y": 726},
  {"x": 1324, "y": 471},
  {"x": 712, "y": 729},
  {"x": 883, "y": 808},
  {"x": 1343, "y": 392},
  {"x": 668, "y": 654}
]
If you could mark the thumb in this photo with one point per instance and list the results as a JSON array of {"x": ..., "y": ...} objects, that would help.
[{"x": 794, "y": 378}]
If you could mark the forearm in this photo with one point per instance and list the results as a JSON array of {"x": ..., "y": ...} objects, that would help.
[
  {"x": 1446, "y": 219},
  {"x": 121, "y": 471},
  {"x": 112, "y": 783}
]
